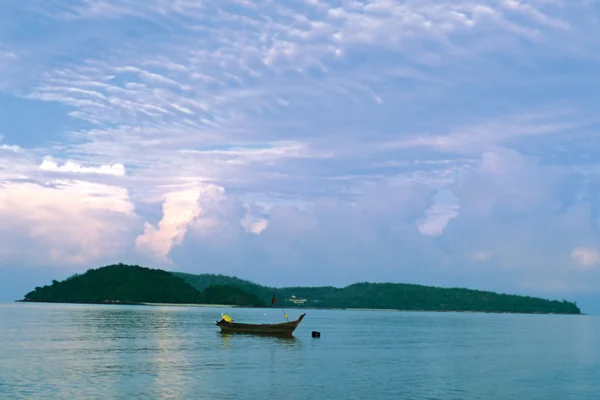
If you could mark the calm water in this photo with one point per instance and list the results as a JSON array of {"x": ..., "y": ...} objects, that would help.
[{"x": 121, "y": 352}]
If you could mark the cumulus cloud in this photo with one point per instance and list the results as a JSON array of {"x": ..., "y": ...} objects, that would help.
[
  {"x": 506, "y": 179},
  {"x": 347, "y": 120},
  {"x": 68, "y": 223},
  {"x": 253, "y": 224},
  {"x": 329, "y": 238},
  {"x": 520, "y": 242},
  {"x": 180, "y": 209}
]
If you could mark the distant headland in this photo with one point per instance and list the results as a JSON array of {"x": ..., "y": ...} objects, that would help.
[{"x": 132, "y": 284}]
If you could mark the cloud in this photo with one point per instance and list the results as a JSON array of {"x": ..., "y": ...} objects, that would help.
[
  {"x": 506, "y": 180},
  {"x": 586, "y": 259},
  {"x": 12, "y": 148},
  {"x": 490, "y": 135},
  {"x": 535, "y": 14},
  {"x": 520, "y": 242},
  {"x": 180, "y": 209},
  {"x": 49, "y": 165},
  {"x": 67, "y": 222},
  {"x": 311, "y": 141},
  {"x": 439, "y": 214},
  {"x": 312, "y": 241},
  {"x": 254, "y": 225}
]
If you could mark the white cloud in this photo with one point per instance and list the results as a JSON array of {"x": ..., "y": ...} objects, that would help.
[
  {"x": 12, "y": 148},
  {"x": 505, "y": 179},
  {"x": 49, "y": 165},
  {"x": 64, "y": 223},
  {"x": 444, "y": 209},
  {"x": 586, "y": 258},
  {"x": 255, "y": 55},
  {"x": 180, "y": 209},
  {"x": 529, "y": 10},
  {"x": 358, "y": 110},
  {"x": 253, "y": 224}
]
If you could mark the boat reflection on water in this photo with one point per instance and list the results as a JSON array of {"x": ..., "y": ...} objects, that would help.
[
  {"x": 257, "y": 339},
  {"x": 226, "y": 341}
]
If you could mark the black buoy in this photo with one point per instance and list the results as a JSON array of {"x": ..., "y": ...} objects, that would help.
[{"x": 316, "y": 334}]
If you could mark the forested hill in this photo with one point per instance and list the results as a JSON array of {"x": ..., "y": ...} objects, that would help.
[
  {"x": 397, "y": 296},
  {"x": 203, "y": 281},
  {"x": 132, "y": 284}
]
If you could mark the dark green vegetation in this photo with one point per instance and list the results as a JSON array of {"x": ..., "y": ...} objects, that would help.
[
  {"x": 204, "y": 281},
  {"x": 229, "y": 295},
  {"x": 128, "y": 284},
  {"x": 133, "y": 284},
  {"x": 397, "y": 296}
]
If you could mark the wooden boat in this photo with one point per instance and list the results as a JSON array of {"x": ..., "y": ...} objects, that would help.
[{"x": 284, "y": 329}]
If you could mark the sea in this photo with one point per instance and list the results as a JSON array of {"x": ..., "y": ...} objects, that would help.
[{"x": 67, "y": 351}]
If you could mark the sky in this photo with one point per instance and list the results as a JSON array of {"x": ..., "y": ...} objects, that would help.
[{"x": 305, "y": 142}]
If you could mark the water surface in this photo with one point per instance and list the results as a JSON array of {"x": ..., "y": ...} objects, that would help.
[{"x": 59, "y": 351}]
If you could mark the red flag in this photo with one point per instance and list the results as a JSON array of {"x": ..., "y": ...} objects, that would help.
[{"x": 274, "y": 300}]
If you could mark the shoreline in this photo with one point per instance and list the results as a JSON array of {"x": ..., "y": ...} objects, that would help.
[
  {"x": 123, "y": 303},
  {"x": 148, "y": 304},
  {"x": 191, "y": 305}
]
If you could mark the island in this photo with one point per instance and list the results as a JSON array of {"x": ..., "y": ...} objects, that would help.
[
  {"x": 389, "y": 296},
  {"x": 132, "y": 284}
]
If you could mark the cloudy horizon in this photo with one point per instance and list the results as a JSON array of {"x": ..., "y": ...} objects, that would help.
[{"x": 309, "y": 142}]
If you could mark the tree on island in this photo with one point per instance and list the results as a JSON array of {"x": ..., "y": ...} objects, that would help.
[
  {"x": 397, "y": 296},
  {"x": 132, "y": 284}
]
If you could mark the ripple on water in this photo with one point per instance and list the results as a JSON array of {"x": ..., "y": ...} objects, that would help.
[{"x": 84, "y": 351}]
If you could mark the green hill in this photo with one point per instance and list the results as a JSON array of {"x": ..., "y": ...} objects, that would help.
[
  {"x": 426, "y": 298},
  {"x": 229, "y": 295},
  {"x": 398, "y": 296},
  {"x": 203, "y": 281},
  {"x": 132, "y": 284}
]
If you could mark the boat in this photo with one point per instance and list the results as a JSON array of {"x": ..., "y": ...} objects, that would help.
[{"x": 227, "y": 325}]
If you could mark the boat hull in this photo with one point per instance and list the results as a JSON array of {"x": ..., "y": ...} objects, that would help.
[{"x": 282, "y": 329}]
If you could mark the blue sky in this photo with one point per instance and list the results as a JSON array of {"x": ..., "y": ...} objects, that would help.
[{"x": 442, "y": 142}]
